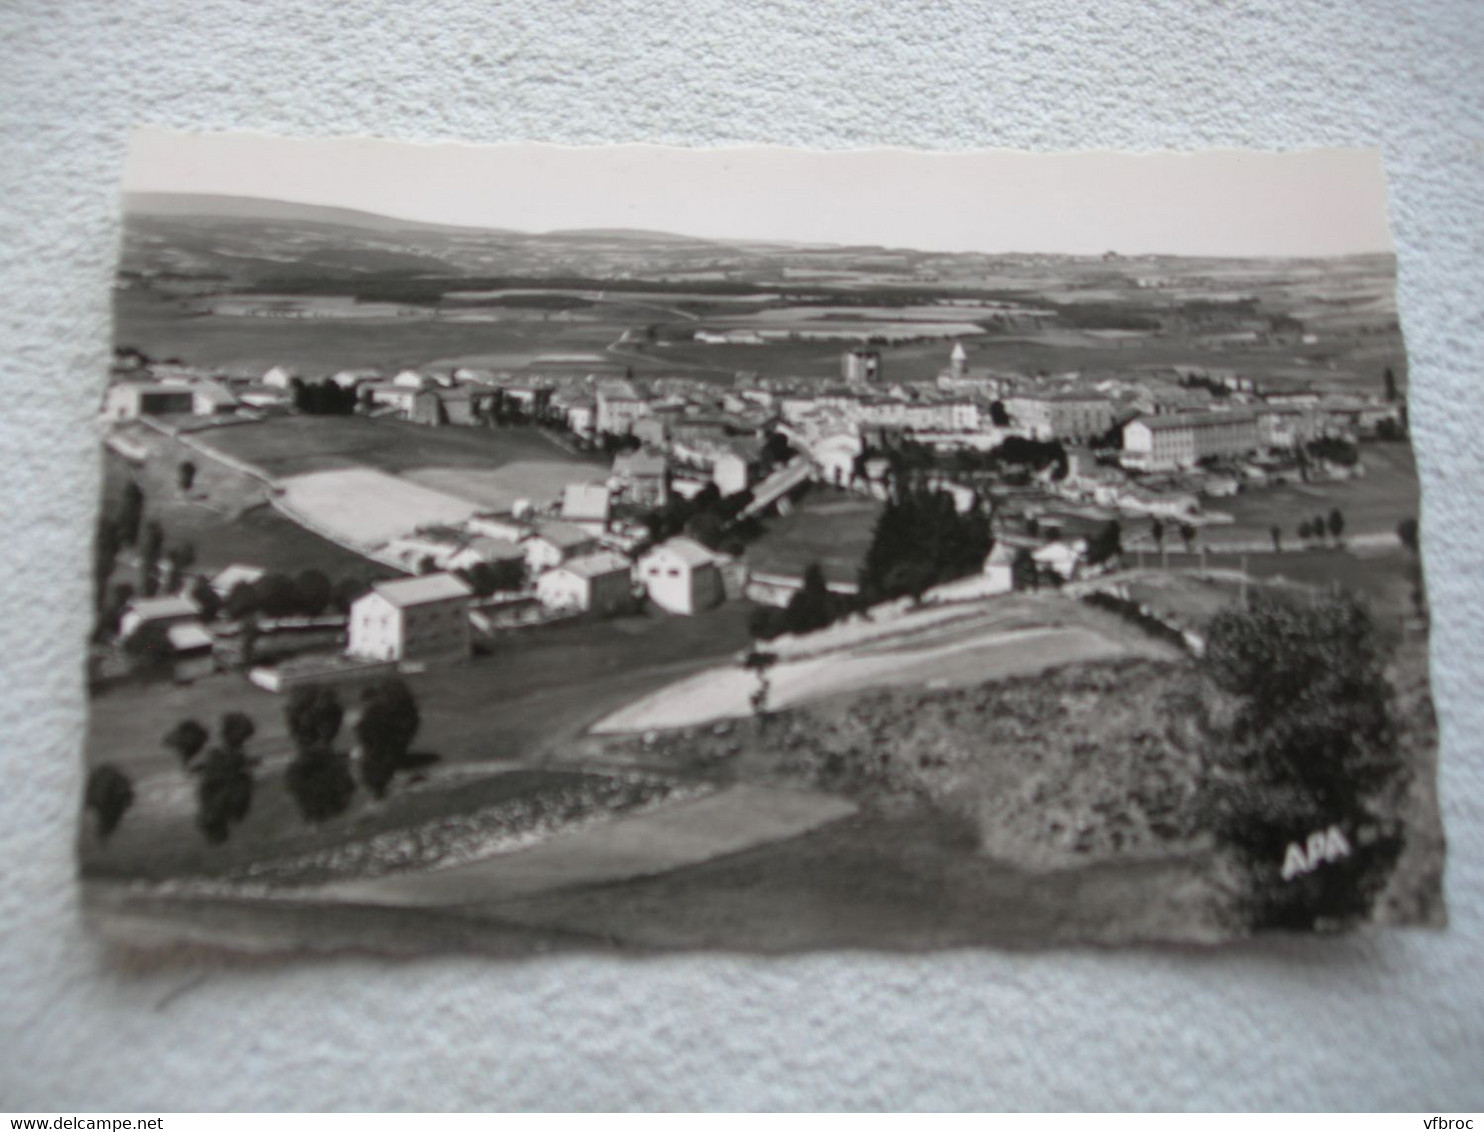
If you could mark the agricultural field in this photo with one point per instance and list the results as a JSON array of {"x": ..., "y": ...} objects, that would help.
[
  {"x": 293, "y": 445},
  {"x": 1372, "y": 504},
  {"x": 368, "y": 508},
  {"x": 1384, "y": 578},
  {"x": 538, "y": 481},
  {"x": 830, "y": 527},
  {"x": 164, "y": 328},
  {"x": 225, "y": 516}
]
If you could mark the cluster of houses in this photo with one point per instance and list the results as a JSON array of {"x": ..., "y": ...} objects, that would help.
[{"x": 1180, "y": 436}]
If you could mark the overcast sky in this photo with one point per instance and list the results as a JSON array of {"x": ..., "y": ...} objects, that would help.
[{"x": 1219, "y": 202}]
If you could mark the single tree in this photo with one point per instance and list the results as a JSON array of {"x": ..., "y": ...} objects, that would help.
[
  {"x": 106, "y": 545},
  {"x": 185, "y": 475},
  {"x": 1187, "y": 536},
  {"x": 389, "y": 722},
  {"x": 1157, "y": 529},
  {"x": 315, "y": 592},
  {"x": 1023, "y": 572},
  {"x": 276, "y": 595},
  {"x": 314, "y": 714},
  {"x": 1304, "y": 531},
  {"x": 223, "y": 793},
  {"x": 149, "y": 558},
  {"x": 206, "y": 599},
  {"x": 1389, "y": 379},
  {"x": 320, "y": 783},
  {"x": 759, "y": 663},
  {"x": 181, "y": 558},
  {"x": 1277, "y": 533},
  {"x": 186, "y": 739},
  {"x": 1336, "y": 524},
  {"x": 131, "y": 513},
  {"x": 345, "y": 592},
  {"x": 108, "y": 796},
  {"x": 1406, "y": 531},
  {"x": 242, "y": 601},
  {"x": 236, "y": 729},
  {"x": 1106, "y": 544},
  {"x": 813, "y": 606}
]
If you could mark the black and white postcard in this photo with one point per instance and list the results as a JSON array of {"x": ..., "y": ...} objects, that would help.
[{"x": 521, "y": 548}]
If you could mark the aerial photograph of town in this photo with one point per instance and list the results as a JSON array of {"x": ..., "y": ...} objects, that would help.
[{"x": 526, "y": 585}]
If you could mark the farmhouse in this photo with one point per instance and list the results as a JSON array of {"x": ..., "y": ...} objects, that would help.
[
  {"x": 172, "y": 609},
  {"x": 554, "y": 543},
  {"x": 412, "y": 619},
  {"x": 191, "y": 650},
  {"x": 594, "y": 583},
  {"x": 1182, "y": 440},
  {"x": 681, "y": 576},
  {"x": 618, "y": 407},
  {"x": 482, "y": 550},
  {"x": 499, "y": 524}
]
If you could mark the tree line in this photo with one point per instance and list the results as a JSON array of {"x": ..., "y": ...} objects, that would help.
[{"x": 318, "y": 778}]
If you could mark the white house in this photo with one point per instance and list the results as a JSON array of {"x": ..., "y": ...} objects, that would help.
[
  {"x": 681, "y": 576},
  {"x": 278, "y": 378},
  {"x": 587, "y": 505},
  {"x": 486, "y": 551},
  {"x": 417, "y": 619},
  {"x": 554, "y": 543},
  {"x": 999, "y": 568},
  {"x": 594, "y": 583},
  {"x": 209, "y": 398},
  {"x": 1062, "y": 558}
]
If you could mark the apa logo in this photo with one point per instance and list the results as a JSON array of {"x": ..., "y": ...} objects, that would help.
[{"x": 1324, "y": 847}]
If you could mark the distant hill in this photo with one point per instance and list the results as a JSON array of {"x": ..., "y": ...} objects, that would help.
[{"x": 210, "y": 205}]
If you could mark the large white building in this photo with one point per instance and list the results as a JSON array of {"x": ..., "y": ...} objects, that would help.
[
  {"x": 412, "y": 619},
  {"x": 618, "y": 407},
  {"x": 681, "y": 576},
  {"x": 1182, "y": 440},
  {"x": 1062, "y": 416}
]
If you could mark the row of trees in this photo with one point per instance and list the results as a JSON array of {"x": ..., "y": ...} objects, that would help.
[
  {"x": 319, "y": 777},
  {"x": 919, "y": 541},
  {"x": 323, "y": 398},
  {"x": 709, "y": 517},
  {"x": 309, "y": 593},
  {"x": 1319, "y": 526}
]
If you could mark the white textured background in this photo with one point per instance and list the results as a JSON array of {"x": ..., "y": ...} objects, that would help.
[{"x": 1383, "y": 1021}]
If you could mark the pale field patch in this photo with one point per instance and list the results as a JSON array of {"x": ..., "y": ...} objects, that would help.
[{"x": 368, "y": 508}]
